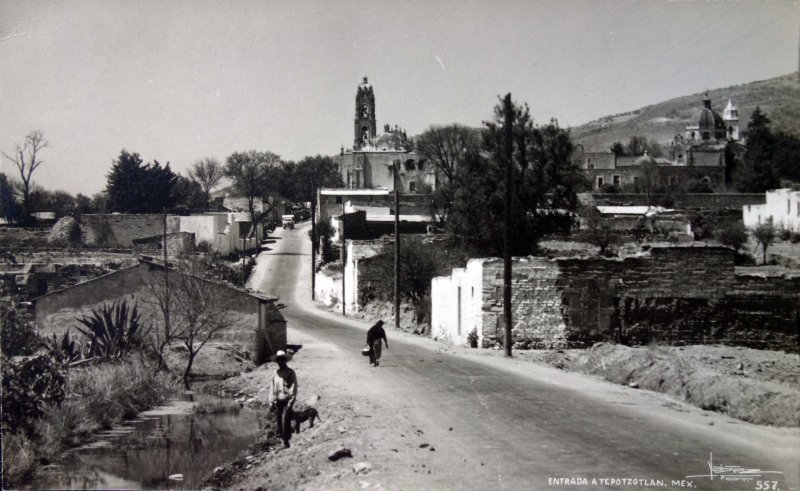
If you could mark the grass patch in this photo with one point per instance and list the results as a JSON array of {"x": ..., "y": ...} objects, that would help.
[{"x": 97, "y": 397}]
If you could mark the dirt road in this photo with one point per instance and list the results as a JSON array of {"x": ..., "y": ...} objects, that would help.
[{"x": 433, "y": 417}]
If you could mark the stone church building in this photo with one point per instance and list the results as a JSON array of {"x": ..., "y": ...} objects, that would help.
[{"x": 381, "y": 161}]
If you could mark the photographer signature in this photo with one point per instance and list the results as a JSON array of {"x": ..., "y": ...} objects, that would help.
[{"x": 732, "y": 472}]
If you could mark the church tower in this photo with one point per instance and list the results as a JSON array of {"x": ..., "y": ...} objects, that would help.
[
  {"x": 365, "y": 127},
  {"x": 731, "y": 117}
]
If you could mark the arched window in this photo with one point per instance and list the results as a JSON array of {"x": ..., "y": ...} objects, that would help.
[{"x": 412, "y": 186}]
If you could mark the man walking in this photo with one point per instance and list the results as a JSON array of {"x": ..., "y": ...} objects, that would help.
[
  {"x": 282, "y": 396},
  {"x": 374, "y": 336}
]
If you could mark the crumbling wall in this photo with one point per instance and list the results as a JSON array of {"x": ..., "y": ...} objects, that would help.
[{"x": 676, "y": 295}]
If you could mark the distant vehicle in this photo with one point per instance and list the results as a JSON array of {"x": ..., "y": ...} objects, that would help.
[{"x": 288, "y": 221}]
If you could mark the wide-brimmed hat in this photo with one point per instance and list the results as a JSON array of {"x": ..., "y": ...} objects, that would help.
[{"x": 280, "y": 354}]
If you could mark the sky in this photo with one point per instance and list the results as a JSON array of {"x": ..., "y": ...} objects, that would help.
[{"x": 180, "y": 80}]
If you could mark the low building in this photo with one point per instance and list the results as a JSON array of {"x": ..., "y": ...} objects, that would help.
[
  {"x": 782, "y": 208},
  {"x": 255, "y": 323}
]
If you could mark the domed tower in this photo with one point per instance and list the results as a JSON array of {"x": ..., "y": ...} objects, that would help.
[
  {"x": 731, "y": 117},
  {"x": 365, "y": 115},
  {"x": 710, "y": 125}
]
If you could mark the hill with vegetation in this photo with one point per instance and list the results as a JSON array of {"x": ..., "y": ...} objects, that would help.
[{"x": 778, "y": 97}]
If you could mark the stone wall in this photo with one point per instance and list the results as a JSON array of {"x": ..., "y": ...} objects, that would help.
[
  {"x": 678, "y": 295},
  {"x": 701, "y": 201},
  {"x": 111, "y": 230},
  {"x": 177, "y": 245}
]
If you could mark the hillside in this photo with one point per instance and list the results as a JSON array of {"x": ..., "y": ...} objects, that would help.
[{"x": 778, "y": 97}]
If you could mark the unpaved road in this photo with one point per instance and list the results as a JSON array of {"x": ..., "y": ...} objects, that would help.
[{"x": 494, "y": 423}]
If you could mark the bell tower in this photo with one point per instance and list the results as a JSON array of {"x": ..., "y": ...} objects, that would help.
[{"x": 365, "y": 126}]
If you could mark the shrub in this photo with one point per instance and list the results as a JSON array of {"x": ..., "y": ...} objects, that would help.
[
  {"x": 17, "y": 337},
  {"x": 29, "y": 384},
  {"x": 113, "y": 330},
  {"x": 472, "y": 338},
  {"x": 785, "y": 234},
  {"x": 66, "y": 351},
  {"x": 608, "y": 189},
  {"x": 204, "y": 246},
  {"x": 795, "y": 238}
]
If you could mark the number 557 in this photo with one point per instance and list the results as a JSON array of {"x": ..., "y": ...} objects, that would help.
[{"x": 766, "y": 485}]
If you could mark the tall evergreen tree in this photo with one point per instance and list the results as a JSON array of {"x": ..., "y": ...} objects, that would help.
[
  {"x": 756, "y": 172},
  {"x": 135, "y": 187}
]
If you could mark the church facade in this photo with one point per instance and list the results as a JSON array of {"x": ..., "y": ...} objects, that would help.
[
  {"x": 694, "y": 157},
  {"x": 384, "y": 161}
]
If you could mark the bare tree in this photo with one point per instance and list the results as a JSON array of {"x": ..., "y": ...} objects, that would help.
[
  {"x": 207, "y": 173},
  {"x": 197, "y": 312},
  {"x": 27, "y": 159}
]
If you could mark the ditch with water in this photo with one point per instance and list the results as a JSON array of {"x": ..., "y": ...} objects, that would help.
[{"x": 170, "y": 447}]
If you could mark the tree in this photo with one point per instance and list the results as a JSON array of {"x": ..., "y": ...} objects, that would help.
[
  {"x": 188, "y": 195},
  {"x": 299, "y": 181},
  {"x": 764, "y": 234},
  {"x": 618, "y": 149},
  {"x": 135, "y": 187},
  {"x": 756, "y": 172},
  {"x": 544, "y": 182},
  {"x": 27, "y": 159},
  {"x": 637, "y": 145},
  {"x": 447, "y": 148},
  {"x": 254, "y": 176},
  {"x": 206, "y": 172},
  {"x": 83, "y": 204},
  {"x": 733, "y": 235},
  {"x": 597, "y": 230},
  {"x": 9, "y": 209},
  {"x": 197, "y": 312}
]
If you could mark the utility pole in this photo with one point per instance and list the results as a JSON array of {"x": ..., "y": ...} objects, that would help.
[
  {"x": 508, "y": 155},
  {"x": 244, "y": 253},
  {"x": 396, "y": 248},
  {"x": 313, "y": 238},
  {"x": 166, "y": 279},
  {"x": 344, "y": 245}
]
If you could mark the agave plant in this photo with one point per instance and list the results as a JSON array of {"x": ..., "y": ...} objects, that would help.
[
  {"x": 112, "y": 330},
  {"x": 66, "y": 352}
]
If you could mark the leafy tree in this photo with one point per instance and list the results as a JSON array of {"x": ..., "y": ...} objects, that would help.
[
  {"x": 764, "y": 234},
  {"x": 597, "y": 230},
  {"x": 756, "y": 172},
  {"x": 618, "y": 149},
  {"x": 17, "y": 337},
  {"x": 27, "y": 159},
  {"x": 785, "y": 155},
  {"x": 254, "y": 175},
  {"x": 299, "y": 181},
  {"x": 637, "y": 145},
  {"x": 9, "y": 209},
  {"x": 189, "y": 195},
  {"x": 83, "y": 204},
  {"x": 733, "y": 235},
  {"x": 544, "y": 179},
  {"x": 135, "y": 187},
  {"x": 446, "y": 148},
  {"x": 207, "y": 173},
  {"x": 100, "y": 202}
]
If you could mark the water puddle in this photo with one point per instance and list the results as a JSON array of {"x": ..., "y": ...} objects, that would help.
[{"x": 144, "y": 453}]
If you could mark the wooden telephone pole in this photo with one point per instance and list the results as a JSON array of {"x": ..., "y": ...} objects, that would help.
[
  {"x": 396, "y": 249},
  {"x": 508, "y": 154}
]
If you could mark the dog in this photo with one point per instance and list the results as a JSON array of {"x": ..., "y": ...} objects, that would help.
[{"x": 308, "y": 414}]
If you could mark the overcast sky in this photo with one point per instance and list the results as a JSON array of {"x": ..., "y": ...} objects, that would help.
[{"x": 180, "y": 80}]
